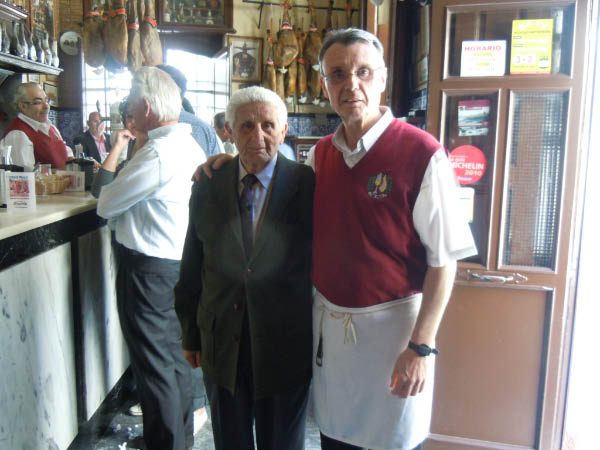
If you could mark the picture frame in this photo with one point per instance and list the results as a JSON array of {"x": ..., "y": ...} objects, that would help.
[
  {"x": 52, "y": 93},
  {"x": 302, "y": 145},
  {"x": 246, "y": 60}
]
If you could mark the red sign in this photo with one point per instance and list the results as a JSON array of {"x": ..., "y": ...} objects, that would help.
[{"x": 469, "y": 164}]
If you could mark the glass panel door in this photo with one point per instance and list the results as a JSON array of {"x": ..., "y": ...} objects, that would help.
[
  {"x": 521, "y": 30},
  {"x": 536, "y": 152},
  {"x": 469, "y": 135}
]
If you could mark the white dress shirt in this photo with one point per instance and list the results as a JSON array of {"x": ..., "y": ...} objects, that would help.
[
  {"x": 147, "y": 203},
  {"x": 22, "y": 147},
  {"x": 259, "y": 190},
  {"x": 445, "y": 234}
]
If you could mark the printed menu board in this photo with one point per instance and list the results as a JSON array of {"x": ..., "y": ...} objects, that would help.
[{"x": 531, "y": 46}]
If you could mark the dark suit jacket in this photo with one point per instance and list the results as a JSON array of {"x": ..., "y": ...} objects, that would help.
[
  {"x": 219, "y": 283},
  {"x": 89, "y": 145}
]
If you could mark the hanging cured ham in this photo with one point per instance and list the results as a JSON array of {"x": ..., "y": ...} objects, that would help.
[
  {"x": 135, "y": 58},
  {"x": 280, "y": 85},
  {"x": 290, "y": 81},
  {"x": 301, "y": 84},
  {"x": 269, "y": 75},
  {"x": 115, "y": 32},
  {"x": 286, "y": 47},
  {"x": 311, "y": 54},
  {"x": 149, "y": 40},
  {"x": 93, "y": 43}
]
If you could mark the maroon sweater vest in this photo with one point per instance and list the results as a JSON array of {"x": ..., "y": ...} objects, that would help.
[
  {"x": 46, "y": 149},
  {"x": 366, "y": 250}
]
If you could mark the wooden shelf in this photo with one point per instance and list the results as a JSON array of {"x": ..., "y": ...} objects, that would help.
[
  {"x": 22, "y": 65},
  {"x": 10, "y": 12}
]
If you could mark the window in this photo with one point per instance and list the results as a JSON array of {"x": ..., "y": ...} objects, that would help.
[{"x": 207, "y": 85}]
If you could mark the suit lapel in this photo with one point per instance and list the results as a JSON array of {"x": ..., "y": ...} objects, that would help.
[
  {"x": 228, "y": 197},
  {"x": 283, "y": 188}
]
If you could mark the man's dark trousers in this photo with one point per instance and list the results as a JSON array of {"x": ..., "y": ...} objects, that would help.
[
  {"x": 145, "y": 302},
  {"x": 280, "y": 420}
]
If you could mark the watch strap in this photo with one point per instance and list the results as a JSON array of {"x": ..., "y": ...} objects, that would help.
[{"x": 422, "y": 349}]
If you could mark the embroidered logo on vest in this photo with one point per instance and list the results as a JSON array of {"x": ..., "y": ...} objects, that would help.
[{"x": 380, "y": 186}]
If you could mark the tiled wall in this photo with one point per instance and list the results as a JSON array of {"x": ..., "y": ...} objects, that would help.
[
  {"x": 310, "y": 125},
  {"x": 68, "y": 121}
]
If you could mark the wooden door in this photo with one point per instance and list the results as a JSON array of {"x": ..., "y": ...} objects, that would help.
[{"x": 501, "y": 375}]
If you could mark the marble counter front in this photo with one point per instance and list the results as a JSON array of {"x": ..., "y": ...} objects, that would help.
[
  {"x": 50, "y": 209},
  {"x": 63, "y": 350}
]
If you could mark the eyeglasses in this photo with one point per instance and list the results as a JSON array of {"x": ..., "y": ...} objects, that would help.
[
  {"x": 340, "y": 76},
  {"x": 38, "y": 102}
]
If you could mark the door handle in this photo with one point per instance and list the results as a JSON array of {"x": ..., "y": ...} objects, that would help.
[{"x": 515, "y": 277}]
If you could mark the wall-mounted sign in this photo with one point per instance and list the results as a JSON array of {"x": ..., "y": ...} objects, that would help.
[
  {"x": 483, "y": 59},
  {"x": 473, "y": 117},
  {"x": 469, "y": 164},
  {"x": 531, "y": 46}
]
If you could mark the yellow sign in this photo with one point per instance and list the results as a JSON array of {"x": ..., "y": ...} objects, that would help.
[{"x": 531, "y": 47}]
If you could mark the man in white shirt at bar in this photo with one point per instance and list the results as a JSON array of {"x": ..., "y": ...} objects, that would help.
[
  {"x": 31, "y": 134},
  {"x": 147, "y": 206}
]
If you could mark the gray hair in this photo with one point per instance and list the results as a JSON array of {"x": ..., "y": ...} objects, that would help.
[
  {"x": 347, "y": 37},
  {"x": 160, "y": 90},
  {"x": 255, "y": 94},
  {"x": 219, "y": 120},
  {"x": 21, "y": 94}
]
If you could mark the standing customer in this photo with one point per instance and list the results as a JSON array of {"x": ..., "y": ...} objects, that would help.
[
  {"x": 244, "y": 295},
  {"x": 147, "y": 206},
  {"x": 387, "y": 234}
]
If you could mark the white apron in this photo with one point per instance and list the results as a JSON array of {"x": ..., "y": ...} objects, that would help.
[{"x": 351, "y": 395}]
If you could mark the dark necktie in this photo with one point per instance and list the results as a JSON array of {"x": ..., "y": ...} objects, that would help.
[{"x": 246, "y": 208}]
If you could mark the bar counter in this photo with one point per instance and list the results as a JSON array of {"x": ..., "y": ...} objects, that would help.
[{"x": 62, "y": 348}]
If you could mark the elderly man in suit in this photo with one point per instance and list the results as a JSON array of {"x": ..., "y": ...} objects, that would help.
[
  {"x": 95, "y": 142},
  {"x": 244, "y": 294}
]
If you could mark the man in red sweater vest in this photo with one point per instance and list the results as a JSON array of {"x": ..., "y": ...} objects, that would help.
[
  {"x": 32, "y": 136},
  {"x": 386, "y": 238}
]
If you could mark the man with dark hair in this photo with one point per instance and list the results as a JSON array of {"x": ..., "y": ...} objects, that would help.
[{"x": 201, "y": 131}]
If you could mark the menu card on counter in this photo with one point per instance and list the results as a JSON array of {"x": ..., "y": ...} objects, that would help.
[{"x": 20, "y": 191}]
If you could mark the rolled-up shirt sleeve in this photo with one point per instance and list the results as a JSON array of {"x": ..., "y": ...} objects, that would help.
[{"x": 437, "y": 215}]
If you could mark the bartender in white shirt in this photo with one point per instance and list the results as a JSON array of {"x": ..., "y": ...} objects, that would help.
[{"x": 32, "y": 136}]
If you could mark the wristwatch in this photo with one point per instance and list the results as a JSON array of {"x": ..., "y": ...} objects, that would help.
[{"x": 422, "y": 349}]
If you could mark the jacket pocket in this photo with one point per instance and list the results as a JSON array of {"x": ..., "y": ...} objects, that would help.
[{"x": 206, "y": 323}]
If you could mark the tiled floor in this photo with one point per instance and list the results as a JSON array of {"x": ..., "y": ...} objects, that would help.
[{"x": 120, "y": 431}]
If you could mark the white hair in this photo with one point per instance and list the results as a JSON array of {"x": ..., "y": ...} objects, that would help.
[
  {"x": 21, "y": 94},
  {"x": 160, "y": 90},
  {"x": 255, "y": 94}
]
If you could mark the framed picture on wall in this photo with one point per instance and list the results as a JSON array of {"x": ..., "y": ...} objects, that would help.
[
  {"x": 52, "y": 93},
  {"x": 246, "y": 58},
  {"x": 302, "y": 145}
]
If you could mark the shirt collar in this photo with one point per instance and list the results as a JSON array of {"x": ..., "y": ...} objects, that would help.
[
  {"x": 37, "y": 126},
  {"x": 169, "y": 129},
  {"x": 369, "y": 138},
  {"x": 264, "y": 176}
]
